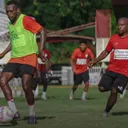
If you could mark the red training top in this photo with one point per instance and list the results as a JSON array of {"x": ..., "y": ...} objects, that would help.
[
  {"x": 81, "y": 59},
  {"x": 119, "y": 54}
]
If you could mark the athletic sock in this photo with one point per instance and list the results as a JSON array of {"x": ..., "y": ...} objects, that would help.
[
  {"x": 44, "y": 94},
  {"x": 32, "y": 110},
  {"x": 12, "y": 105},
  {"x": 84, "y": 95}
]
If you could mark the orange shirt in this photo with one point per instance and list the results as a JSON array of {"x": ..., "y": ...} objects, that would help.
[
  {"x": 29, "y": 60},
  {"x": 81, "y": 59},
  {"x": 31, "y": 25}
]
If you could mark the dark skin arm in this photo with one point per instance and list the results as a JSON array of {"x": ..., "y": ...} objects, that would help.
[
  {"x": 42, "y": 43},
  {"x": 72, "y": 64},
  {"x": 8, "y": 49},
  {"x": 103, "y": 55}
]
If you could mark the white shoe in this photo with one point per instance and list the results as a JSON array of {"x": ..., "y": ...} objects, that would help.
[
  {"x": 83, "y": 98},
  {"x": 71, "y": 96},
  {"x": 44, "y": 97},
  {"x": 105, "y": 114},
  {"x": 122, "y": 95}
]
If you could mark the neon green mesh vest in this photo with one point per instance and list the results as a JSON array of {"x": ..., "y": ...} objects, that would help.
[{"x": 23, "y": 41}]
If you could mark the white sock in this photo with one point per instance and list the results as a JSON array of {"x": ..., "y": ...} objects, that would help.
[
  {"x": 84, "y": 95},
  {"x": 32, "y": 110},
  {"x": 37, "y": 90},
  {"x": 12, "y": 105},
  {"x": 44, "y": 93}
]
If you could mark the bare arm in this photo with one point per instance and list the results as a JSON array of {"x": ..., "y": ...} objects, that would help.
[
  {"x": 42, "y": 43},
  {"x": 103, "y": 55},
  {"x": 73, "y": 65},
  {"x": 8, "y": 49}
]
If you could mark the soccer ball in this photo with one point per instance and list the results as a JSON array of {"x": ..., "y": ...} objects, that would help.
[{"x": 6, "y": 114}]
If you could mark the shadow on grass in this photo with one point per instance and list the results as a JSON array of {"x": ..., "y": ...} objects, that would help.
[
  {"x": 86, "y": 98},
  {"x": 119, "y": 113},
  {"x": 10, "y": 124},
  {"x": 41, "y": 117},
  {"x": 49, "y": 97}
]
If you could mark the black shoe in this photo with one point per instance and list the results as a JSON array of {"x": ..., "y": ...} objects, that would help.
[
  {"x": 32, "y": 120},
  {"x": 16, "y": 116}
]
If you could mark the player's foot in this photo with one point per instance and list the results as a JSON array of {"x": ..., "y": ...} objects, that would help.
[
  {"x": 16, "y": 116},
  {"x": 71, "y": 96},
  {"x": 43, "y": 97},
  {"x": 83, "y": 99},
  {"x": 122, "y": 95},
  {"x": 105, "y": 114},
  {"x": 31, "y": 120}
]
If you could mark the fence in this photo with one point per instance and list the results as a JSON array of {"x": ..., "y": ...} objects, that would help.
[{"x": 65, "y": 77}]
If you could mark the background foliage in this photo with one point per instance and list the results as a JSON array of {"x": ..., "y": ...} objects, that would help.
[{"x": 60, "y": 14}]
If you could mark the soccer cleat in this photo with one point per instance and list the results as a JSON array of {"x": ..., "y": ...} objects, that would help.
[
  {"x": 43, "y": 97},
  {"x": 16, "y": 116},
  {"x": 31, "y": 120},
  {"x": 105, "y": 114},
  {"x": 71, "y": 96},
  {"x": 83, "y": 99},
  {"x": 122, "y": 95}
]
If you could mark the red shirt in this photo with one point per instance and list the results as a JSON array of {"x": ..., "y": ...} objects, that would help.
[
  {"x": 119, "y": 54},
  {"x": 31, "y": 25},
  {"x": 42, "y": 67},
  {"x": 81, "y": 59}
]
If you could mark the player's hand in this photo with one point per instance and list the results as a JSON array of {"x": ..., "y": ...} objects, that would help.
[
  {"x": 42, "y": 57},
  {"x": 1, "y": 55},
  {"x": 73, "y": 70},
  {"x": 91, "y": 63}
]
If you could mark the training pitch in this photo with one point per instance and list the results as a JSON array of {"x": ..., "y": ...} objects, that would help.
[{"x": 59, "y": 112}]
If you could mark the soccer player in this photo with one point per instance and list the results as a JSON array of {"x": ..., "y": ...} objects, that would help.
[
  {"x": 24, "y": 50},
  {"x": 79, "y": 61},
  {"x": 43, "y": 69},
  {"x": 115, "y": 77}
]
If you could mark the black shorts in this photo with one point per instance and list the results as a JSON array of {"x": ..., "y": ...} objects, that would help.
[
  {"x": 112, "y": 79},
  {"x": 19, "y": 69},
  {"x": 82, "y": 77}
]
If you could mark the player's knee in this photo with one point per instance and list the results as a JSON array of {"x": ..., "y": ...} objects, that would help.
[
  {"x": 2, "y": 82},
  {"x": 26, "y": 86},
  {"x": 101, "y": 89}
]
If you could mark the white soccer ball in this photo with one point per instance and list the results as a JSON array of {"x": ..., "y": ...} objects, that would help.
[{"x": 6, "y": 114}]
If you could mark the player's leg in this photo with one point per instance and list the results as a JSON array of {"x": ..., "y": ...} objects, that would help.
[
  {"x": 85, "y": 78},
  {"x": 7, "y": 74},
  {"x": 118, "y": 86},
  {"x": 111, "y": 101},
  {"x": 77, "y": 81},
  {"x": 44, "y": 81},
  {"x": 27, "y": 78},
  {"x": 35, "y": 87},
  {"x": 124, "y": 92},
  {"x": 106, "y": 81}
]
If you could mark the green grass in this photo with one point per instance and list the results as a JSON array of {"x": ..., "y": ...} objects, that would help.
[{"x": 59, "y": 112}]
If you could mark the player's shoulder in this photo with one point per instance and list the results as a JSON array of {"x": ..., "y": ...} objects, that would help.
[
  {"x": 77, "y": 50},
  {"x": 26, "y": 17},
  {"x": 45, "y": 50},
  {"x": 88, "y": 50},
  {"x": 114, "y": 36}
]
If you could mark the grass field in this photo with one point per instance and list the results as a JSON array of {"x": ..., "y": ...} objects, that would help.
[{"x": 59, "y": 112}]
